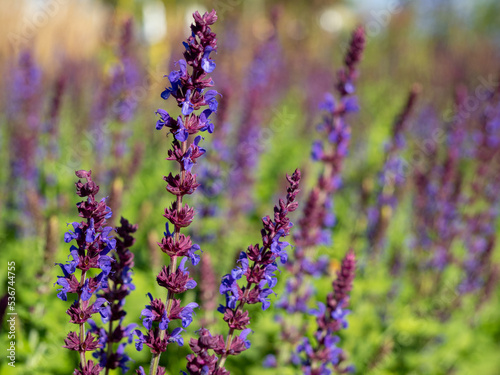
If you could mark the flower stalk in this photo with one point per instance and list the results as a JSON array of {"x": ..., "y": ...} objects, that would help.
[
  {"x": 190, "y": 87},
  {"x": 93, "y": 243}
]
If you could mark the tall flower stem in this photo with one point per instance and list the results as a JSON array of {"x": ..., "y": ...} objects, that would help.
[
  {"x": 115, "y": 337},
  {"x": 189, "y": 88},
  {"x": 261, "y": 272},
  {"x": 155, "y": 360},
  {"x": 317, "y": 220},
  {"x": 93, "y": 243}
]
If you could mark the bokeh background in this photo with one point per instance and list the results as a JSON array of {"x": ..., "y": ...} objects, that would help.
[{"x": 69, "y": 102}]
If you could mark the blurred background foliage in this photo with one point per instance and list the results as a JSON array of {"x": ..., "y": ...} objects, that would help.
[{"x": 439, "y": 44}]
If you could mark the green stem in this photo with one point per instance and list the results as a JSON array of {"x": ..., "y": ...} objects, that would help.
[
  {"x": 228, "y": 346},
  {"x": 82, "y": 338}
]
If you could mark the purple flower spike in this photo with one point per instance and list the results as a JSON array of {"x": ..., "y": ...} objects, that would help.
[
  {"x": 330, "y": 319},
  {"x": 190, "y": 87},
  {"x": 315, "y": 225},
  {"x": 391, "y": 177},
  {"x": 93, "y": 243},
  {"x": 260, "y": 273}
]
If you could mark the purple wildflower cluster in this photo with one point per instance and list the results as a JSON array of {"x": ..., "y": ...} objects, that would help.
[
  {"x": 24, "y": 114},
  {"x": 52, "y": 124},
  {"x": 392, "y": 177},
  {"x": 111, "y": 354},
  {"x": 125, "y": 77},
  {"x": 481, "y": 234},
  {"x": 454, "y": 222},
  {"x": 317, "y": 220},
  {"x": 448, "y": 211},
  {"x": 116, "y": 100},
  {"x": 260, "y": 279},
  {"x": 439, "y": 195},
  {"x": 189, "y": 89},
  {"x": 93, "y": 243},
  {"x": 316, "y": 359},
  {"x": 265, "y": 75},
  {"x": 425, "y": 187}
]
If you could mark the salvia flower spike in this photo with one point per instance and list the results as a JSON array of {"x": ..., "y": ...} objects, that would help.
[
  {"x": 315, "y": 225},
  {"x": 190, "y": 86},
  {"x": 392, "y": 177},
  {"x": 258, "y": 266},
  {"x": 92, "y": 246},
  {"x": 316, "y": 358},
  {"x": 114, "y": 338}
]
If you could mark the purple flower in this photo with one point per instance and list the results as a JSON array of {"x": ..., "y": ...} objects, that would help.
[
  {"x": 243, "y": 337},
  {"x": 269, "y": 276},
  {"x": 70, "y": 267},
  {"x": 305, "y": 347},
  {"x": 205, "y": 123},
  {"x": 24, "y": 113},
  {"x": 187, "y": 314},
  {"x": 139, "y": 341},
  {"x": 391, "y": 179},
  {"x": 263, "y": 298},
  {"x": 211, "y": 100},
  {"x": 229, "y": 284},
  {"x": 181, "y": 134},
  {"x": 278, "y": 247},
  {"x": 260, "y": 273},
  {"x": 318, "y": 219},
  {"x": 187, "y": 106},
  {"x": 207, "y": 64},
  {"x": 270, "y": 361},
  {"x": 174, "y": 78},
  {"x": 165, "y": 119},
  {"x": 317, "y": 150},
  {"x": 319, "y": 311},
  {"x": 87, "y": 292},
  {"x": 187, "y": 161},
  {"x": 328, "y": 103},
  {"x": 62, "y": 281},
  {"x": 195, "y": 258},
  {"x": 339, "y": 314},
  {"x": 105, "y": 264},
  {"x": 70, "y": 236},
  {"x": 147, "y": 318},
  {"x": 164, "y": 321},
  {"x": 176, "y": 337},
  {"x": 238, "y": 272}
]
